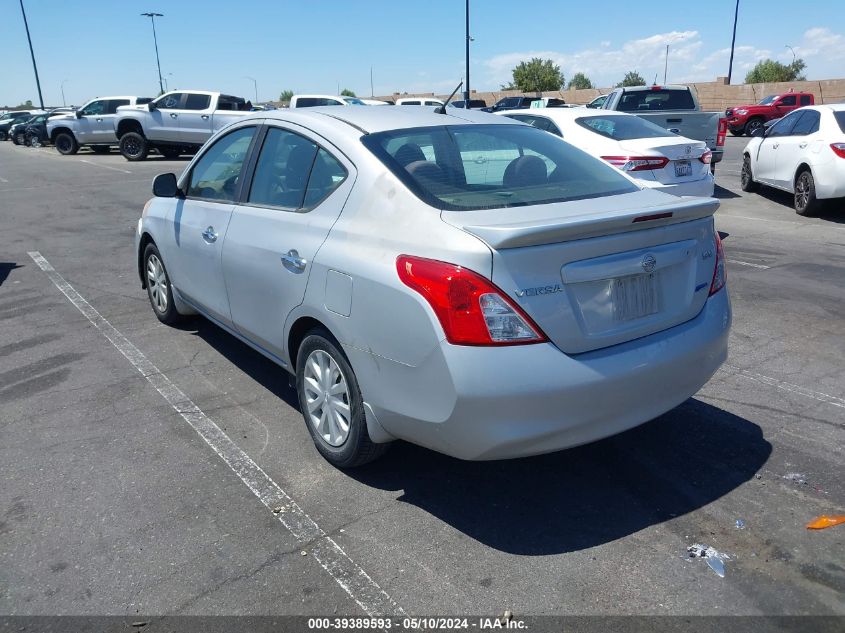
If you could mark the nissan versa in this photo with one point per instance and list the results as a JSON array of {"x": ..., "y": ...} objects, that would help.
[{"x": 442, "y": 276}]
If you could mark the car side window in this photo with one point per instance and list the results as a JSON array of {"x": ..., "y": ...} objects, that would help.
[
  {"x": 94, "y": 108},
  {"x": 784, "y": 126},
  {"x": 114, "y": 104},
  {"x": 807, "y": 124},
  {"x": 170, "y": 102},
  {"x": 326, "y": 175},
  {"x": 197, "y": 102},
  {"x": 805, "y": 100},
  {"x": 282, "y": 170},
  {"x": 217, "y": 173},
  {"x": 788, "y": 100}
]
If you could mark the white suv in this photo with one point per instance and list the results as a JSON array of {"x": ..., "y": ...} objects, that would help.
[
  {"x": 420, "y": 101},
  {"x": 311, "y": 101},
  {"x": 92, "y": 124}
]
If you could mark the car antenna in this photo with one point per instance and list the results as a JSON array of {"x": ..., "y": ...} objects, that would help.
[{"x": 442, "y": 109}]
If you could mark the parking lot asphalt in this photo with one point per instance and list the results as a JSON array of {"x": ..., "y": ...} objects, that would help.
[{"x": 111, "y": 502}]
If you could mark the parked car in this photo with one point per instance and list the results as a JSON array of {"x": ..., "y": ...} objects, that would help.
[
  {"x": 511, "y": 103},
  {"x": 35, "y": 130},
  {"x": 17, "y": 131},
  {"x": 676, "y": 109},
  {"x": 455, "y": 280},
  {"x": 313, "y": 101},
  {"x": 803, "y": 153},
  {"x": 474, "y": 104},
  {"x": 597, "y": 103},
  {"x": 419, "y": 101},
  {"x": 375, "y": 102},
  {"x": 175, "y": 123},
  {"x": 651, "y": 155},
  {"x": 91, "y": 125},
  {"x": 11, "y": 118},
  {"x": 745, "y": 119}
]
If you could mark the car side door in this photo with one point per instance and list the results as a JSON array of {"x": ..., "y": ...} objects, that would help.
[
  {"x": 794, "y": 148},
  {"x": 765, "y": 164},
  {"x": 299, "y": 185},
  {"x": 104, "y": 128},
  {"x": 786, "y": 104},
  {"x": 163, "y": 122},
  {"x": 87, "y": 120},
  {"x": 195, "y": 118},
  {"x": 201, "y": 218}
]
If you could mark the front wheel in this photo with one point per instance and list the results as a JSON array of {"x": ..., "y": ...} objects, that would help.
[
  {"x": 806, "y": 203},
  {"x": 66, "y": 143},
  {"x": 331, "y": 403},
  {"x": 746, "y": 178},
  {"x": 753, "y": 125},
  {"x": 3, "y": 135},
  {"x": 19, "y": 139},
  {"x": 33, "y": 140},
  {"x": 134, "y": 146},
  {"x": 159, "y": 291}
]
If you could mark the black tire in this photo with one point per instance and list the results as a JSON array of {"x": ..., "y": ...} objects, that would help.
[
  {"x": 134, "y": 146},
  {"x": 735, "y": 132},
  {"x": 33, "y": 140},
  {"x": 3, "y": 135},
  {"x": 19, "y": 139},
  {"x": 66, "y": 143},
  {"x": 746, "y": 177},
  {"x": 357, "y": 449},
  {"x": 162, "y": 302},
  {"x": 100, "y": 149},
  {"x": 806, "y": 203},
  {"x": 170, "y": 152},
  {"x": 752, "y": 125}
]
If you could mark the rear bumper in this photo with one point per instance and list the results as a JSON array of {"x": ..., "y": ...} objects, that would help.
[
  {"x": 494, "y": 403},
  {"x": 703, "y": 187}
]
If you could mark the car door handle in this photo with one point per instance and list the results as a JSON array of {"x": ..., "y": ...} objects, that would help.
[
  {"x": 209, "y": 235},
  {"x": 674, "y": 130},
  {"x": 99, "y": 120},
  {"x": 775, "y": 146},
  {"x": 802, "y": 145},
  {"x": 294, "y": 260},
  {"x": 205, "y": 117},
  {"x": 173, "y": 116}
]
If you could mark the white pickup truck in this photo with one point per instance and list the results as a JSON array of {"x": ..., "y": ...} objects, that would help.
[
  {"x": 175, "y": 123},
  {"x": 675, "y": 108},
  {"x": 91, "y": 125}
]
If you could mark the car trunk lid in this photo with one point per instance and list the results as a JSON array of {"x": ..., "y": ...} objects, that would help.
[{"x": 683, "y": 154}]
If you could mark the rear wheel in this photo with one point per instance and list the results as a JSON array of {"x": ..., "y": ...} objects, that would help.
[
  {"x": 806, "y": 202},
  {"x": 134, "y": 146},
  {"x": 33, "y": 140},
  {"x": 66, "y": 144},
  {"x": 158, "y": 287},
  {"x": 331, "y": 403},
  {"x": 100, "y": 149},
  {"x": 752, "y": 125},
  {"x": 3, "y": 135},
  {"x": 19, "y": 139},
  {"x": 746, "y": 178}
]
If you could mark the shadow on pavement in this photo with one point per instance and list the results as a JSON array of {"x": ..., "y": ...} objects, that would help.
[
  {"x": 831, "y": 210},
  {"x": 5, "y": 269},
  {"x": 564, "y": 501},
  {"x": 724, "y": 194}
]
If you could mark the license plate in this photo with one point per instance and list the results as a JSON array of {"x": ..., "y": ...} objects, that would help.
[
  {"x": 683, "y": 168},
  {"x": 634, "y": 296}
]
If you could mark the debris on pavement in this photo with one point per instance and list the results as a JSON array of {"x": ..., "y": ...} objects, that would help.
[
  {"x": 740, "y": 524},
  {"x": 715, "y": 559},
  {"x": 825, "y": 521},
  {"x": 798, "y": 478}
]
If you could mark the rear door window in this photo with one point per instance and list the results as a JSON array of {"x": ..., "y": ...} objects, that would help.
[
  {"x": 114, "y": 104},
  {"x": 282, "y": 170},
  {"x": 784, "y": 126},
  {"x": 805, "y": 100},
  {"x": 197, "y": 102},
  {"x": 840, "y": 119},
  {"x": 807, "y": 124}
]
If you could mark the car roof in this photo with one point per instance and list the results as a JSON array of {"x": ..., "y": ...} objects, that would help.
[
  {"x": 655, "y": 87},
  {"x": 563, "y": 114},
  {"x": 319, "y": 97},
  {"x": 371, "y": 120}
]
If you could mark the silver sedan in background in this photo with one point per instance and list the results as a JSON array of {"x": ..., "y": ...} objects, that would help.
[{"x": 446, "y": 277}]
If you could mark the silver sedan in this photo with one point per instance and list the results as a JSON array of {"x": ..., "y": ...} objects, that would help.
[{"x": 446, "y": 277}]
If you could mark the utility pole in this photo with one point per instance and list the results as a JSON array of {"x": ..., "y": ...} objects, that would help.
[
  {"x": 63, "y": 92},
  {"x": 153, "y": 17},
  {"x": 793, "y": 53},
  {"x": 32, "y": 53},
  {"x": 467, "y": 91},
  {"x": 372, "y": 91},
  {"x": 666, "y": 65},
  {"x": 733, "y": 43},
  {"x": 255, "y": 84}
]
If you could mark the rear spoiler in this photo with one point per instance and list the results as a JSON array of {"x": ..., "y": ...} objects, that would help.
[{"x": 574, "y": 226}]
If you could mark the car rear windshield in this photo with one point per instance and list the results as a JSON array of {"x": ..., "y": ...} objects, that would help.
[
  {"x": 468, "y": 167},
  {"x": 840, "y": 119},
  {"x": 622, "y": 127},
  {"x": 656, "y": 99}
]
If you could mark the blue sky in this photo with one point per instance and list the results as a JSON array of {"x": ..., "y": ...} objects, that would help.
[{"x": 105, "y": 48}]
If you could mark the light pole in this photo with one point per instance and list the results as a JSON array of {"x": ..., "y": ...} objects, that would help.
[
  {"x": 32, "y": 53},
  {"x": 468, "y": 38},
  {"x": 733, "y": 43},
  {"x": 153, "y": 17},
  {"x": 793, "y": 53},
  {"x": 63, "y": 92},
  {"x": 255, "y": 85},
  {"x": 666, "y": 65}
]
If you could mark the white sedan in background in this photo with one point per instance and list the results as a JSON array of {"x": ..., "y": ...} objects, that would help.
[
  {"x": 803, "y": 153},
  {"x": 656, "y": 158}
]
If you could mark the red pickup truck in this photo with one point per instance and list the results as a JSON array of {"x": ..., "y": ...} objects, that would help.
[{"x": 745, "y": 119}]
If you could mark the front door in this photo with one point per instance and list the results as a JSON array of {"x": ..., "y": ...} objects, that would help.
[
  {"x": 793, "y": 148},
  {"x": 297, "y": 192},
  {"x": 769, "y": 149},
  {"x": 200, "y": 222},
  {"x": 89, "y": 118},
  {"x": 164, "y": 118}
]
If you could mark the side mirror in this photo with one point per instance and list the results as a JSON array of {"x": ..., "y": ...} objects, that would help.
[
  {"x": 165, "y": 186},
  {"x": 758, "y": 131},
  {"x": 152, "y": 106},
  {"x": 78, "y": 114}
]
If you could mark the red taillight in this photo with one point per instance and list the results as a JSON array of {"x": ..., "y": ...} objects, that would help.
[
  {"x": 657, "y": 87},
  {"x": 637, "y": 163},
  {"x": 706, "y": 157},
  {"x": 471, "y": 309},
  {"x": 720, "y": 273},
  {"x": 722, "y": 132},
  {"x": 838, "y": 149}
]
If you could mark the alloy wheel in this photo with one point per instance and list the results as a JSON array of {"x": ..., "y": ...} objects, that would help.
[
  {"x": 133, "y": 147},
  {"x": 746, "y": 171},
  {"x": 157, "y": 283},
  {"x": 802, "y": 192},
  {"x": 327, "y": 398}
]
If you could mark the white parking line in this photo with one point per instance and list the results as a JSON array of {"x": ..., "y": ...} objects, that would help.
[
  {"x": 349, "y": 575},
  {"x": 88, "y": 162},
  {"x": 3, "y": 179},
  {"x": 786, "y": 386},
  {"x": 741, "y": 263}
]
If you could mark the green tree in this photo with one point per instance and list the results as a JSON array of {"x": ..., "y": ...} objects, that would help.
[
  {"x": 632, "y": 78},
  {"x": 24, "y": 106},
  {"x": 346, "y": 92},
  {"x": 537, "y": 75},
  {"x": 286, "y": 96},
  {"x": 580, "y": 81},
  {"x": 769, "y": 71}
]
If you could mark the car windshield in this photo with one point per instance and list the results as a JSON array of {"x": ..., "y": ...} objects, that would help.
[
  {"x": 840, "y": 119},
  {"x": 622, "y": 128},
  {"x": 767, "y": 100},
  {"x": 467, "y": 167}
]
